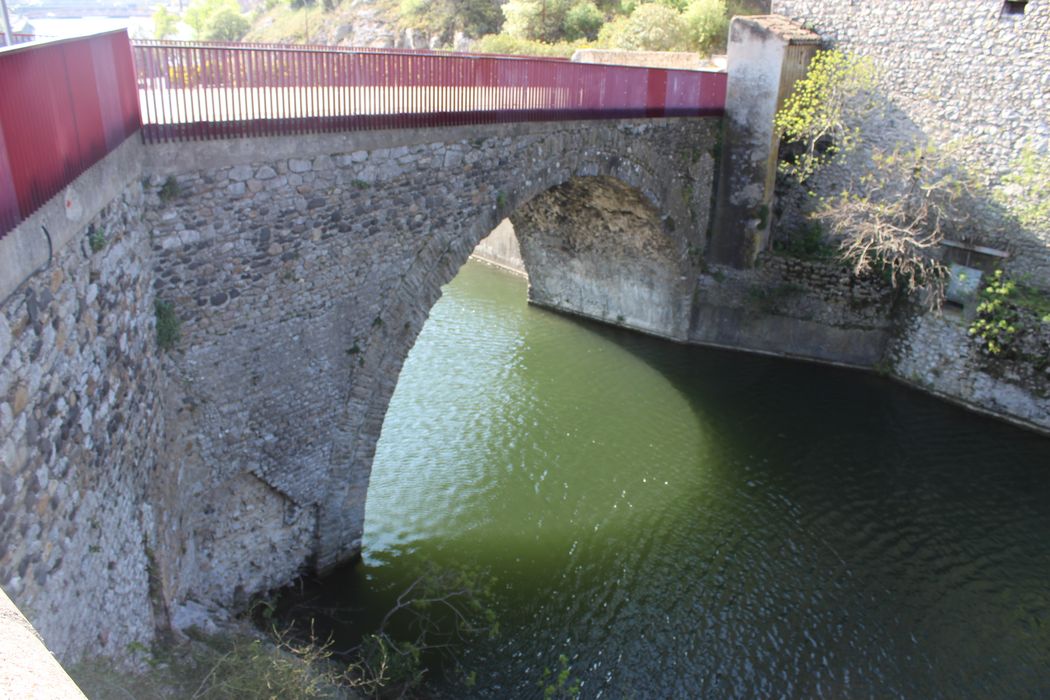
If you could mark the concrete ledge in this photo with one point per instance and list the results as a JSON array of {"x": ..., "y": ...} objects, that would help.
[
  {"x": 25, "y": 250},
  {"x": 27, "y": 668}
]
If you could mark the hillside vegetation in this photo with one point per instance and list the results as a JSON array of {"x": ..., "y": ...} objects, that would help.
[{"x": 536, "y": 27}]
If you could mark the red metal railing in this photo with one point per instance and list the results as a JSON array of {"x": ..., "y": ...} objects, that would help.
[
  {"x": 63, "y": 106},
  {"x": 205, "y": 91}
]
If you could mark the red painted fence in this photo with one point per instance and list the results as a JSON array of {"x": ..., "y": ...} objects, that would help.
[
  {"x": 205, "y": 91},
  {"x": 63, "y": 106}
]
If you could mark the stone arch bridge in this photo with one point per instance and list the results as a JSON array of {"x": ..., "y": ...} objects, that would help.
[{"x": 303, "y": 269}]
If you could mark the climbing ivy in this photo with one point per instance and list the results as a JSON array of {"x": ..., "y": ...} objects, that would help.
[
  {"x": 820, "y": 121},
  {"x": 1026, "y": 191}
]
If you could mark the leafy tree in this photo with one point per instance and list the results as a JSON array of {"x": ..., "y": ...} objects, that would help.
[
  {"x": 706, "y": 24},
  {"x": 165, "y": 22},
  {"x": 651, "y": 27},
  {"x": 820, "y": 121},
  {"x": 546, "y": 20},
  {"x": 583, "y": 21},
  {"x": 226, "y": 25},
  {"x": 199, "y": 15},
  {"x": 446, "y": 17}
]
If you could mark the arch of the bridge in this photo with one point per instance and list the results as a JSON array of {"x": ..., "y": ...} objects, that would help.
[
  {"x": 594, "y": 243},
  {"x": 303, "y": 270}
]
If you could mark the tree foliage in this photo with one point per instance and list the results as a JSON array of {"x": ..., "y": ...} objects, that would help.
[
  {"x": 583, "y": 21},
  {"x": 820, "y": 121},
  {"x": 706, "y": 24},
  {"x": 226, "y": 25},
  {"x": 165, "y": 23},
  {"x": 651, "y": 27},
  {"x": 216, "y": 20},
  {"x": 541, "y": 20},
  {"x": 446, "y": 17}
]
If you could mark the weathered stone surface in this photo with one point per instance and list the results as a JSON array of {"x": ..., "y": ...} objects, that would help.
[
  {"x": 133, "y": 480},
  {"x": 957, "y": 69},
  {"x": 936, "y": 353},
  {"x": 598, "y": 248},
  {"x": 79, "y": 439},
  {"x": 358, "y": 260},
  {"x": 794, "y": 308}
]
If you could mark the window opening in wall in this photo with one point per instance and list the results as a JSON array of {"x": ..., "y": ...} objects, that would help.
[{"x": 1013, "y": 7}]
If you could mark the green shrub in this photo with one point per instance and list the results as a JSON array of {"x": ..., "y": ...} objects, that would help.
[
  {"x": 445, "y": 17},
  {"x": 226, "y": 25},
  {"x": 651, "y": 27},
  {"x": 506, "y": 44},
  {"x": 548, "y": 20},
  {"x": 96, "y": 239},
  {"x": 168, "y": 324},
  {"x": 997, "y": 321},
  {"x": 820, "y": 121},
  {"x": 706, "y": 24},
  {"x": 583, "y": 21}
]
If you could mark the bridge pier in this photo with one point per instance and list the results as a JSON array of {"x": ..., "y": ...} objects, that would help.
[{"x": 767, "y": 54}]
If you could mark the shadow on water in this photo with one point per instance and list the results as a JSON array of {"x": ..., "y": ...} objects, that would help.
[
  {"x": 919, "y": 524},
  {"x": 688, "y": 522}
]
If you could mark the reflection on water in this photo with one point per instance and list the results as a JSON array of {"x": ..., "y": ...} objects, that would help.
[{"x": 684, "y": 522}]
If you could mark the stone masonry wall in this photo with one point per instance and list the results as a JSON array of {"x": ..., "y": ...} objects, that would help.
[
  {"x": 599, "y": 249},
  {"x": 936, "y": 354},
  {"x": 796, "y": 308},
  {"x": 80, "y": 428},
  {"x": 955, "y": 69},
  {"x": 302, "y": 282}
]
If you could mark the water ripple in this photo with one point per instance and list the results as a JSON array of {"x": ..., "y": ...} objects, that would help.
[{"x": 689, "y": 523}]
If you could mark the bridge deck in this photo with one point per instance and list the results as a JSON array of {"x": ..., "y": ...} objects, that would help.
[
  {"x": 68, "y": 103},
  {"x": 203, "y": 91}
]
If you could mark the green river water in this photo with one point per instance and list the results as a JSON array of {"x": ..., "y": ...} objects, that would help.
[{"x": 682, "y": 522}]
